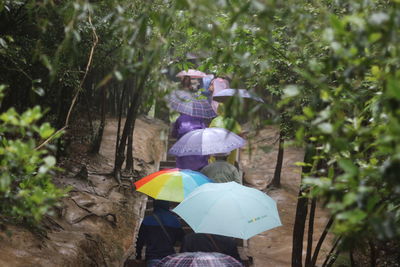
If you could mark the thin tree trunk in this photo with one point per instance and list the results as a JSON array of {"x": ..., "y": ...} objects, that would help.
[
  {"x": 351, "y": 256},
  {"x": 120, "y": 110},
  {"x": 331, "y": 258},
  {"x": 99, "y": 136},
  {"x": 129, "y": 123},
  {"x": 276, "y": 181},
  {"x": 373, "y": 253},
  {"x": 301, "y": 215},
  {"x": 129, "y": 150},
  {"x": 298, "y": 230},
  {"x": 310, "y": 232},
  {"x": 88, "y": 89},
  {"x": 320, "y": 241}
]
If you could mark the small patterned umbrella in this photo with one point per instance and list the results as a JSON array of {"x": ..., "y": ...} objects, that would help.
[
  {"x": 225, "y": 94},
  {"x": 192, "y": 73},
  {"x": 199, "y": 259},
  {"x": 208, "y": 141},
  {"x": 190, "y": 104}
]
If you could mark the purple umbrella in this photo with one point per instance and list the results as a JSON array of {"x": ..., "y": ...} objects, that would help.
[
  {"x": 199, "y": 259},
  {"x": 225, "y": 94},
  {"x": 208, "y": 141},
  {"x": 190, "y": 104}
]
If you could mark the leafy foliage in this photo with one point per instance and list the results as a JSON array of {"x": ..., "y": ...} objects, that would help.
[{"x": 26, "y": 190}]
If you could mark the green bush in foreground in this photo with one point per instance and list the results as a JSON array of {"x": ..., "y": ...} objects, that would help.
[{"x": 26, "y": 190}]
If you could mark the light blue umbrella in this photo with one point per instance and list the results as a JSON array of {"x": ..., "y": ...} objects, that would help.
[{"x": 229, "y": 209}]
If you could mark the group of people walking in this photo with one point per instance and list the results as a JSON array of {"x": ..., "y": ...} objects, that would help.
[{"x": 161, "y": 231}]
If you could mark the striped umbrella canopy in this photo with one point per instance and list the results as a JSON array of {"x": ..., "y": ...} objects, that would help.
[
  {"x": 171, "y": 184},
  {"x": 208, "y": 141},
  {"x": 190, "y": 104},
  {"x": 199, "y": 259}
]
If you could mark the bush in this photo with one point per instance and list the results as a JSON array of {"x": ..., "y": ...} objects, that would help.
[{"x": 26, "y": 190}]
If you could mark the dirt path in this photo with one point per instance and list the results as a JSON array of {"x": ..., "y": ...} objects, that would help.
[{"x": 274, "y": 247}]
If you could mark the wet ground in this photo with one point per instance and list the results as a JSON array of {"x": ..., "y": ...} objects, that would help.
[{"x": 274, "y": 247}]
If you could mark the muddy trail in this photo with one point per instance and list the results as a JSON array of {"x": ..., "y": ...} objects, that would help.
[
  {"x": 274, "y": 247},
  {"x": 96, "y": 224}
]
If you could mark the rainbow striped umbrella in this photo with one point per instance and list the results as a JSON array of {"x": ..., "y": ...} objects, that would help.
[{"x": 171, "y": 184}]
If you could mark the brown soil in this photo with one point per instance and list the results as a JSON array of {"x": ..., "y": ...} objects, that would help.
[{"x": 97, "y": 223}]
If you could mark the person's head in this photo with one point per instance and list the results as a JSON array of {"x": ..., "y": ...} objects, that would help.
[
  {"x": 160, "y": 204},
  {"x": 211, "y": 86},
  {"x": 220, "y": 84},
  {"x": 186, "y": 82}
]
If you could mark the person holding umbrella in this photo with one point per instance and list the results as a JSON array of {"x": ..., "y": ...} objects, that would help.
[
  {"x": 186, "y": 78},
  {"x": 194, "y": 110},
  {"x": 158, "y": 232},
  {"x": 199, "y": 242},
  {"x": 184, "y": 124},
  {"x": 222, "y": 121}
]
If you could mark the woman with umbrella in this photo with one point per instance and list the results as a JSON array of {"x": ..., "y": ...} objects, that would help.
[
  {"x": 184, "y": 124},
  {"x": 193, "y": 110}
]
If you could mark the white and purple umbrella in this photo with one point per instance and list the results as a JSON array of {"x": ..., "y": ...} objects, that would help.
[
  {"x": 208, "y": 141},
  {"x": 190, "y": 104},
  {"x": 225, "y": 94},
  {"x": 192, "y": 73},
  {"x": 199, "y": 259}
]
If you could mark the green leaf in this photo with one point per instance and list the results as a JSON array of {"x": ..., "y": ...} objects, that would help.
[
  {"x": 393, "y": 87},
  {"x": 326, "y": 127},
  {"x": 50, "y": 161},
  {"x": 348, "y": 166},
  {"x": 45, "y": 130},
  {"x": 290, "y": 91}
]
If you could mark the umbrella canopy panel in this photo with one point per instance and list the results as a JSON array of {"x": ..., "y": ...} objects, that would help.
[
  {"x": 208, "y": 141},
  {"x": 192, "y": 73},
  {"x": 199, "y": 259},
  {"x": 229, "y": 209},
  {"x": 171, "y": 184},
  {"x": 190, "y": 104}
]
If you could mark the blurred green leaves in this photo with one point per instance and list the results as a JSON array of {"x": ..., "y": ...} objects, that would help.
[{"x": 26, "y": 190}]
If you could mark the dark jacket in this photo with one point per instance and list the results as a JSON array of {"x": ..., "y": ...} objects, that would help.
[
  {"x": 154, "y": 238},
  {"x": 202, "y": 243}
]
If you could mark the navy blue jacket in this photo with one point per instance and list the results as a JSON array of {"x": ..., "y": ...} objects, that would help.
[
  {"x": 200, "y": 242},
  {"x": 153, "y": 237}
]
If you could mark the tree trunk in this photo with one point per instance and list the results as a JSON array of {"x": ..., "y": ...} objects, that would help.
[
  {"x": 129, "y": 150},
  {"x": 373, "y": 253},
  {"x": 301, "y": 215},
  {"x": 351, "y": 256},
  {"x": 320, "y": 241},
  {"x": 129, "y": 123},
  {"x": 333, "y": 253},
  {"x": 276, "y": 181},
  {"x": 88, "y": 84},
  {"x": 120, "y": 111},
  {"x": 310, "y": 233},
  {"x": 99, "y": 136}
]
